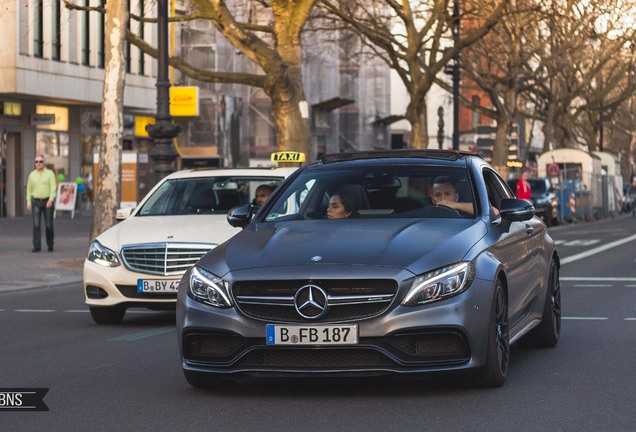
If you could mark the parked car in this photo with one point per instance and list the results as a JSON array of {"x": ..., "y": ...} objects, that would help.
[
  {"x": 402, "y": 286},
  {"x": 139, "y": 261},
  {"x": 545, "y": 201}
]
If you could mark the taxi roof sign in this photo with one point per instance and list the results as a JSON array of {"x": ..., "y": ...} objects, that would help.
[{"x": 288, "y": 156}]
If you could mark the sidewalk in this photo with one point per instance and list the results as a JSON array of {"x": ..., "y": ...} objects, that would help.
[{"x": 21, "y": 269}]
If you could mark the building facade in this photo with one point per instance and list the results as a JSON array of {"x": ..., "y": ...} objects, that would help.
[{"x": 51, "y": 80}]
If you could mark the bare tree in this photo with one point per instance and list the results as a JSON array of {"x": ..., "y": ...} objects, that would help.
[
  {"x": 499, "y": 65},
  {"x": 271, "y": 38},
  {"x": 108, "y": 192},
  {"x": 578, "y": 81},
  {"x": 413, "y": 38}
]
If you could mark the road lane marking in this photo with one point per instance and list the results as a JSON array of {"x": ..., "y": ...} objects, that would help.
[
  {"x": 596, "y": 250},
  {"x": 592, "y": 286},
  {"x": 586, "y": 318},
  {"x": 144, "y": 334},
  {"x": 597, "y": 279},
  {"x": 630, "y": 319},
  {"x": 34, "y": 310},
  {"x": 578, "y": 243}
]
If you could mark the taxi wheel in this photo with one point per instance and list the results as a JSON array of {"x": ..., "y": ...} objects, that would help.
[{"x": 107, "y": 315}]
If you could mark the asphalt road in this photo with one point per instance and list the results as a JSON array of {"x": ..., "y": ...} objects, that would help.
[{"x": 128, "y": 377}]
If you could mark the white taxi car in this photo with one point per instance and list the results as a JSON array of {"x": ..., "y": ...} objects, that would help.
[{"x": 139, "y": 261}]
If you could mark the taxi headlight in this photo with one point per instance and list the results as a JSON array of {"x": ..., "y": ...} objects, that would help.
[
  {"x": 101, "y": 255},
  {"x": 208, "y": 288},
  {"x": 440, "y": 284}
]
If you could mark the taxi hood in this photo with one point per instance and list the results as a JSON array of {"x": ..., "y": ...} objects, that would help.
[{"x": 208, "y": 229}]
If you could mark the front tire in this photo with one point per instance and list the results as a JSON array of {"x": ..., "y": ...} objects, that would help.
[
  {"x": 107, "y": 314},
  {"x": 498, "y": 350}
]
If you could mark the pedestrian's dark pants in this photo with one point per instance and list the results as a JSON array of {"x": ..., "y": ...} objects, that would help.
[{"x": 38, "y": 207}]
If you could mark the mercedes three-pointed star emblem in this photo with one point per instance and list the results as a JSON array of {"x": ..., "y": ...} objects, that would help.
[{"x": 311, "y": 302}]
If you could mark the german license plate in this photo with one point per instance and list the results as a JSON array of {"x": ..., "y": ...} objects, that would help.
[
  {"x": 312, "y": 335},
  {"x": 158, "y": 286}
]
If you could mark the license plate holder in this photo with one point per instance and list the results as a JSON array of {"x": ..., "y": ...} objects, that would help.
[{"x": 303, "y": 335}]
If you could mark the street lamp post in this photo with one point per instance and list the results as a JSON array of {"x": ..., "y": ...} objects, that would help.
[
  {"x": 456, "y": 76},
  {"x": 163, "y": 131}
]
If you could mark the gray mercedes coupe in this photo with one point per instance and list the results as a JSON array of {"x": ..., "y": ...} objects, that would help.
[{"x": 372, "y": 263}]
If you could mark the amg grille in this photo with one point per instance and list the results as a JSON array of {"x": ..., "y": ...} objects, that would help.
[
  {"x": 348, "y": 300},
  {"x": 163, "y": 259}
]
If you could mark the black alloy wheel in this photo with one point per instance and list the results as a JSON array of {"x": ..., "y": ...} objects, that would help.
[{"x": 498, "y": 351}]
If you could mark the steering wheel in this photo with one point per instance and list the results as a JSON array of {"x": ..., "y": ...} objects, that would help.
[{"x": 441, "y": 211}]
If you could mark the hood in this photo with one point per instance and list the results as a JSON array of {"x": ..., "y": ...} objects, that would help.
[
  {"x": 212, "y": 229},
  {"x": 399, "y": 243}
]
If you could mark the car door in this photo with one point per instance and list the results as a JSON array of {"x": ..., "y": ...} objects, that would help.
[{"x": 519, "y": 248}]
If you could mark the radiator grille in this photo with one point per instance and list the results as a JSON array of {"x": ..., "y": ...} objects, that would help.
[
  {"x": 163, "y": 259},
  {"x": 348, "y": 299}
]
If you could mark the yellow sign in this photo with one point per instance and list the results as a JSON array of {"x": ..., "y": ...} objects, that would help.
[
  {"x": 140, "y": 125},
  {"x": 60, "y": 114},
  {"x": 514, "y": 164},
  {"x": 184, "y": 101},
  {"x": 12, "y": 109},
  {"x": 288, "y": 156}
]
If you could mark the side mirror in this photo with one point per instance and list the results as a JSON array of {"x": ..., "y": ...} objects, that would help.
[
  {"x": 124, "y": 213},
  {"x": 513, "y": 209},
  {"x": 240, "y": 216}
]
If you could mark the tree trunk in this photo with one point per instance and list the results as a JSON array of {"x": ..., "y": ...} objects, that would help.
[
  {"x": 500, "y": 150},
  {"x": 548, "y": 128},
  {"x": 108, "y": 192},
  {"x": 416, "y": 116}
]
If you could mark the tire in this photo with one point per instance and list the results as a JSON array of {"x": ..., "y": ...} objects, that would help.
[
  {"x": 548, "y": 332},
  {"x": 107, "y": 315},
  {"x": 204, "y": 380},
  {"x": 547, "y": 216},
  {"x": 494, "y": 372}
]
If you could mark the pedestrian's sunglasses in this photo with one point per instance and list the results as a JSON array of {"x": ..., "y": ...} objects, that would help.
[{"x": 39, "y": 161}]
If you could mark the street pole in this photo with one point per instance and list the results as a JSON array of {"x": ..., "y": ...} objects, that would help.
[
  {"x": 600, "y": 114},
  {"x": 163, "y": 131},
  {"x": 456, "y": 76}
]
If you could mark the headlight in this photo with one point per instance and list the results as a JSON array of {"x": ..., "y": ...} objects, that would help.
[
  {"x": 208, "y": 288},
  {"x": 102, "y": 255},
  {"x": 440, "y": 284}
]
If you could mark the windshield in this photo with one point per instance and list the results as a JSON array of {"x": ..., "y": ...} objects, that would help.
[
  {"x": 203, "y": 195},
  {"x": 400, "y": 191}
]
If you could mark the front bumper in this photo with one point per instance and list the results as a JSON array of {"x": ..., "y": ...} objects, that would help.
[
  {"x": 117, "y": 286},
  {"x": 449, "y": 335}
]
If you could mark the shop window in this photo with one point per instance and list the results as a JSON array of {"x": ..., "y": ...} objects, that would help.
[{"x": 55, "y": 148}]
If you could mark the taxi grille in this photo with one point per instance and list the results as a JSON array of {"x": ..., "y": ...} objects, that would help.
[
  {"x": 163, "y": 259},
  {"x": 348, "y": 299}
]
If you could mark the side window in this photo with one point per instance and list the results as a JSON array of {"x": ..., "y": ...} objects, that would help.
[{"x": 497, "y": 189}]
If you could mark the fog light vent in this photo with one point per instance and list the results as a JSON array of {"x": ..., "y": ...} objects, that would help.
[{"x": 94, "y": 292}]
